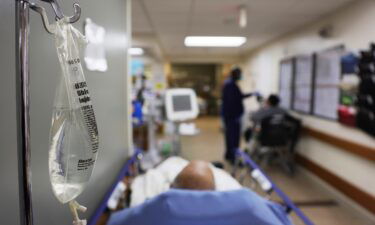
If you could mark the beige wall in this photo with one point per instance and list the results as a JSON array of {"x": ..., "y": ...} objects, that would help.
[{"x": 354, "y": 26}]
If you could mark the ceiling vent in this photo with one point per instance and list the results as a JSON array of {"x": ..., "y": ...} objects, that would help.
[{"x": 326, "y": 31}]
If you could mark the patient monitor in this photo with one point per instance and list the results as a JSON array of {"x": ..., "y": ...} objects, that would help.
[{"x": 181, "y": 104}]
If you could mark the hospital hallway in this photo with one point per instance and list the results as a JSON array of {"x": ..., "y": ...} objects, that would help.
[
  {"x": 187, "y": 112},
  {"x": 311, "y": 196}
]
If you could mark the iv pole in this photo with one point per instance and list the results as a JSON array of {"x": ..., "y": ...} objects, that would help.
[
  {"x": 23, "y": 118},
  {"x": 23, "y": 97}
]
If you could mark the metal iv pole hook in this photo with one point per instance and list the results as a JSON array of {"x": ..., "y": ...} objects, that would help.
[{"x": 58, "y": 12}]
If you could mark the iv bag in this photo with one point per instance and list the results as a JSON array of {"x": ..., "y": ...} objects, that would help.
[{"x": 74, "y": 138}]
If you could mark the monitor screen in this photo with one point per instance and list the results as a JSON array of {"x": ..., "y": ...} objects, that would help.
[{"x": 181, "y": 103}]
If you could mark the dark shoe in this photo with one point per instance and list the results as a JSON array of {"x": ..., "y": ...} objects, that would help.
[
  {"x": 230, "y": 161},
  {"x": 218, "y": 164}
]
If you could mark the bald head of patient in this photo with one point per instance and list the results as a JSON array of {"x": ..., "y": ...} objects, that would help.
[{"x": 197, "y": 175}]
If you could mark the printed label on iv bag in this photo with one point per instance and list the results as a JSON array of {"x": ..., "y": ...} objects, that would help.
[{"x": 74, "y": 139}]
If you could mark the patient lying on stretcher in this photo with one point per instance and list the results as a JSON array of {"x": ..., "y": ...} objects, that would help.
[
  {"x": 161, "y": 178},
  {"x": 192, "y": 200},
  {"x": 197, "y": 175}
]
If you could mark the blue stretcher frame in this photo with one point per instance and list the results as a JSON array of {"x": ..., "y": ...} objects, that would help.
[
  {"x": 125, "y": 171},
  {"x": 289, "y": 203}
]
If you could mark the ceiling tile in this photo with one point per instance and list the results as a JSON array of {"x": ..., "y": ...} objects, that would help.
[
  {"x": 172, "y": 20},
  {"x": 165, "y": 6}
]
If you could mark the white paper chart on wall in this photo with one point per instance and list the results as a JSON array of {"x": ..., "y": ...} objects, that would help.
[
  {"x": 303, "y": 83},
  {"x": 285, "y": 88},
  {"x": 328, "y": 73}
]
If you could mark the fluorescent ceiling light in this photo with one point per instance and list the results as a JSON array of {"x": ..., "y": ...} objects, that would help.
[
  {"x": 242, "y": 20},
  {"x": 214, "y": 41},
  {"x": 136, "y": 51}
]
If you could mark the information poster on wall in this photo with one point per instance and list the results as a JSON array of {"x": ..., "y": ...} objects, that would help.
[
  {"x": 303, "y": 84},
  {"x": 327, "y": 78},
  {"x": 285, "y": 83}
]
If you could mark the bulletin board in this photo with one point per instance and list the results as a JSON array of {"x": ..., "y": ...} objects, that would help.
[
  {"x": 326, "y": 93},
  {"x": 303, "y": 83},
  {"x": 310, "y": 83},
  {"x": 286, "y": 79}
]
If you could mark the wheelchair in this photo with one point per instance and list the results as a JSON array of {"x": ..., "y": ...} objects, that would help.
[{"x": 274, "y": 141}]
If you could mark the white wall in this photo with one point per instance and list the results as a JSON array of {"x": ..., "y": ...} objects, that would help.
[{"x": 354, "y": 26}]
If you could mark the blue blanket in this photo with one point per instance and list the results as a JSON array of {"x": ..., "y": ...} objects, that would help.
[{"x": 182, "y": 207}]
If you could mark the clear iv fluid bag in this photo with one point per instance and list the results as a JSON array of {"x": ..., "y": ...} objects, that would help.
[
  {"x": 74, "y": 135},
  {"x": 66, "y": 183}
]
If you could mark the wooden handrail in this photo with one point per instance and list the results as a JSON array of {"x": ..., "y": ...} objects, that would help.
[
  {"x": 358, "y": 149},
  {"x": 363, "y": 198}
]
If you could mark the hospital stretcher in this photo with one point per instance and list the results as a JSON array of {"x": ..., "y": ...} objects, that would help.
[{"x": 132, "y": 169}]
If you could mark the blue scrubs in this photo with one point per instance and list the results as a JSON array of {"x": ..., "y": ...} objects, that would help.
[{"x": 231, "y": 110}]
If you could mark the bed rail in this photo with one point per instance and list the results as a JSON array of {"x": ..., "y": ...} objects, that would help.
[
  {"x": 125, "y": 171},
  {"x": 290, "y": 206}
]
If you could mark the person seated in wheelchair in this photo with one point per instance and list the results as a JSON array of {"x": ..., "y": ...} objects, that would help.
[
  {"x": 270, "y": 109},
  {"x": 274, "y": 131}
]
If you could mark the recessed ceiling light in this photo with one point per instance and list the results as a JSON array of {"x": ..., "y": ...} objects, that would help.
[
  {"x": 214, "y": 41},
  {"x": 136, "y": 51}
]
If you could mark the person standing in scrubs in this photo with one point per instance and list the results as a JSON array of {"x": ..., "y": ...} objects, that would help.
[{"x": 231, "y": 111}]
